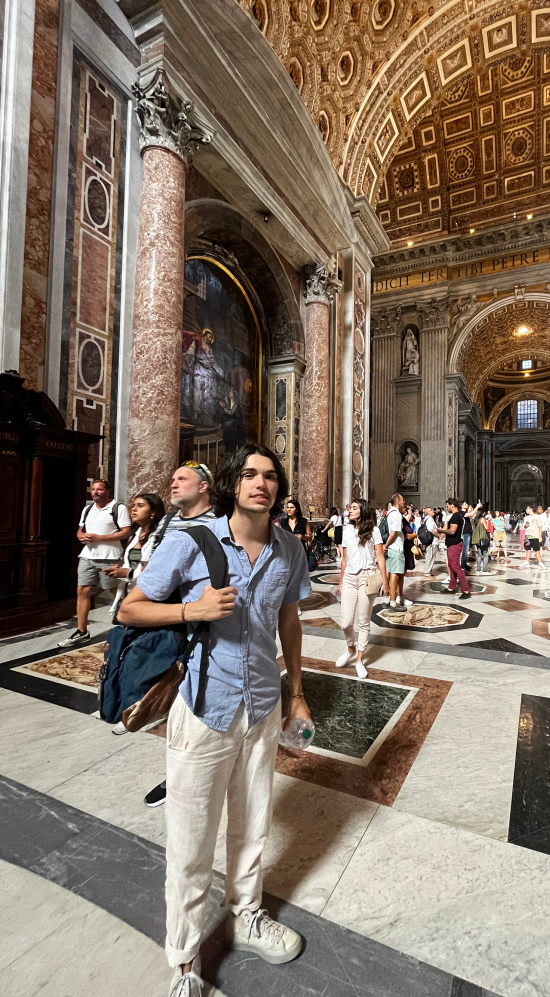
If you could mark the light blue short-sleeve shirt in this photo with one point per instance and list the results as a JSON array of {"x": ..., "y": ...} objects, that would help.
[{"x": 242, "y": 660}]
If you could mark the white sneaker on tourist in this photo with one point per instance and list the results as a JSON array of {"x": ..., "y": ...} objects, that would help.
[
  {"x": 404, "y": 602},
  {"x": 347, "y": 658},
  {"x": 254, "y": 931},
  {"x": 119, "y": 728},
  {"x": 191, "y": 984},
  {"x": 361, "y": 670}
]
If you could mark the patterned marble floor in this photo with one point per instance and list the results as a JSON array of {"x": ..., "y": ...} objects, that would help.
[{"x": 411, "y": 843}]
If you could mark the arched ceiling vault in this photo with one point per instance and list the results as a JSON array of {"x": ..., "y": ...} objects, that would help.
[
  {"x": 438, "y": 112},
  {"x": 492, "y": 344}
]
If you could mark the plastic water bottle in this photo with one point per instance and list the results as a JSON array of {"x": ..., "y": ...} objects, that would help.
[{"x": 298, "y": 734}]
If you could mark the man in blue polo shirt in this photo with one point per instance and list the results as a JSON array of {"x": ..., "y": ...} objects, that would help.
[{"x": 230, "y": 747}]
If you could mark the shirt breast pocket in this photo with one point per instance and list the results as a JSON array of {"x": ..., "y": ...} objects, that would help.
[{"x": 274, "y": 588}]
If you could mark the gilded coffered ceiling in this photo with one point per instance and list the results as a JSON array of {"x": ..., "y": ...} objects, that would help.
[
  {"x": 494, "y": 342},
  {"x": 438, "y": 112}
]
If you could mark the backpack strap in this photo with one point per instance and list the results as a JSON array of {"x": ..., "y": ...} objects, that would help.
[
  {"x": 87, "y": 508},
  {"x": 213, "y": 552},
  {"x": 216, "y": 562},
  {"x": 159, "y": 536},
  {"x": 114, "y": 513}
]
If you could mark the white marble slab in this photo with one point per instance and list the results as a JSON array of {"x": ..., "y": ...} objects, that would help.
[
  {"x": 56, "y": 944},
  {"x": 314, "y": 835},
  {"x": 114, "y": 787},
  {"x": 473, "y": 906},
  {"x": 487, "y": 674},
  {"x": 43, "y": 745},
  {"x": 464, "y": 772}
]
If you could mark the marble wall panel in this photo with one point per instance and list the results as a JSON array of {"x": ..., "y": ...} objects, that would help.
[
  {"x": 39, "y": 196},
  {"x": 91, "y": 315}
]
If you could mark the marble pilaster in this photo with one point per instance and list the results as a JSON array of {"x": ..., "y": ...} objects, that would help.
[
  {"x": 386, "y": 361},
  {"x": 17, "y": 58},
  {"x": 284, "y": 394},
  {"x": 485, "y": 439},
  {"x": 320, "y": 288},
  {"x": 434, "y": 335},
  {"x": 168, "y": 137}
]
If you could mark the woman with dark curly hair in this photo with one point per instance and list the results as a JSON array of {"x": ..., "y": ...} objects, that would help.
[{"x": 363, "y": 555}]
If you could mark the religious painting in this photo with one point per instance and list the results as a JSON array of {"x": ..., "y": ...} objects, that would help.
[
  {"x": 221, "y": 361},
  {"x": 491, "y": 396},
  {"x": 504, "y": 421}
]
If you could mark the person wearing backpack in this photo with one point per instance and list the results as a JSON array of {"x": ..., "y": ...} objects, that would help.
[
  {"x": 224, "y": 742},
  {"x": 104, "y": 523},
  {"x": 429, "y": 537},
  {"x": 481, "y": 541},
  {"x": 190, "y": 492}
]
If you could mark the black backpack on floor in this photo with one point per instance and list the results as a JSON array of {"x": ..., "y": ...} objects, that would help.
[{"x": 137, "y": 659}]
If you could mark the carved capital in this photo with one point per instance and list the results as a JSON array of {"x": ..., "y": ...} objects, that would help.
[
  {"x": 166, "y": 120},
  {"x": 320, "y": 285},
  {"x": 434, "y": 315},
  {"x": 385, "y": 323}
]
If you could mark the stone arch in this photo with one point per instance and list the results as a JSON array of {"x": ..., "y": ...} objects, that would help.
[
  {"x": 541, "y": 394},
  {"x": 532, "y": 469},
  {"x": 479, "y": 336},
  {"x": 227, "y": 234},
  {"x": 407, "y": 85}
]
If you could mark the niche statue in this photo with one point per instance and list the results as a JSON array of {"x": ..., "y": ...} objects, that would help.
[
  {"x": 407, "y": 472},
  {"x": 410, "y": 357}
]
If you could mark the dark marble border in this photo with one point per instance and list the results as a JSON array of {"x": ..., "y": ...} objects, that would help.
[
  {"x": 528, "y": 660},
  {"x": 530, "y": 809},
  {"x": 380, "y": 780},
  {"x": 124, "y": 875},
  {"x": 43, "y": 687}
]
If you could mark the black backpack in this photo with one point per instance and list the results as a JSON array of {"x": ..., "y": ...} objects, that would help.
[
  {"x": 384, "y": 529},
  {"x": 424, "y": 536},
  {"x": 137, "y": 658}
]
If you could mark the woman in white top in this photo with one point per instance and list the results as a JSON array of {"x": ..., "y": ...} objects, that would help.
[
  {"x": 362, "y": 555},
  {"x": 533, "y": 536},
  {"x": 335, "y": 523},
  {"x": 147, "y": 512}
]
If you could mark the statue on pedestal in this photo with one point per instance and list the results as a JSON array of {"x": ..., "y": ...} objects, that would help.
[
  {"x": 407, "y": 472},
  {"x": 410, "y": 357}
]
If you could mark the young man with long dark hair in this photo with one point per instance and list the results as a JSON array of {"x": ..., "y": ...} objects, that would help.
[{"x": 229, "y": 746}]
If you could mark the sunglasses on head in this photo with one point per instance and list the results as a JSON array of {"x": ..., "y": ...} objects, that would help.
[{"x": 199, "y": 467}]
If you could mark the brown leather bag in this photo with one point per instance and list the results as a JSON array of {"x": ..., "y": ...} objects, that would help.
[{"x": 157, "y": 702}]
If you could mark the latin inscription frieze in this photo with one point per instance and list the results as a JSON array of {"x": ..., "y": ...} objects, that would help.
[{"x": 486, "y": 267}]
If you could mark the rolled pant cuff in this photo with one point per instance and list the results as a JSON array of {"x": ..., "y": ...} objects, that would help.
[
  {"x": 179, "y": 957},
  {"x": 238, "y": 908}
]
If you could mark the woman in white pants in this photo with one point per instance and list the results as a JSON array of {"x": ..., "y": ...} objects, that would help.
[{"x": 362, "y": 555}]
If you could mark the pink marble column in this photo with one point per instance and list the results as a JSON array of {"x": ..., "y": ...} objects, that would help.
[
  {"x": 169, "y": 135},
  {"x": 314, "y": 427},
  {"x": 155, "y": 382}
]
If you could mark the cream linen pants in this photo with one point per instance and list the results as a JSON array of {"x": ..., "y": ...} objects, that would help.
[
  {"x": 202, "y": 766},
  {"x": 353, "y": 596},
  {"x": 430, "y": 556}
]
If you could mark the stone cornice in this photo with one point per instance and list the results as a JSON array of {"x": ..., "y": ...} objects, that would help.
[
  {"x": 372, "y": 236},
  {"x": 454, "y": 250}
]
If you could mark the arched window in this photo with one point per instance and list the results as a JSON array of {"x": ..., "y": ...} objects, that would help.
[{"x": 527, "y": 414}]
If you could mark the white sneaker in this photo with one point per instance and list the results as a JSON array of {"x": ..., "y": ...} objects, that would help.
[
  {"x": 77, "y": 639},
  {"x": 347, "y": 658},
  {"x": 254, "y": 931},
  {"x": 404, "y": 602},
  {"x": 191, "y": 984},
  {"x": 119, "y": 728},
  {"x": 360, "y": 669}
]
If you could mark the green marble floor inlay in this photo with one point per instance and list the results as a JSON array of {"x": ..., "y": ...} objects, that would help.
[{"x": 348, "y": 715}]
